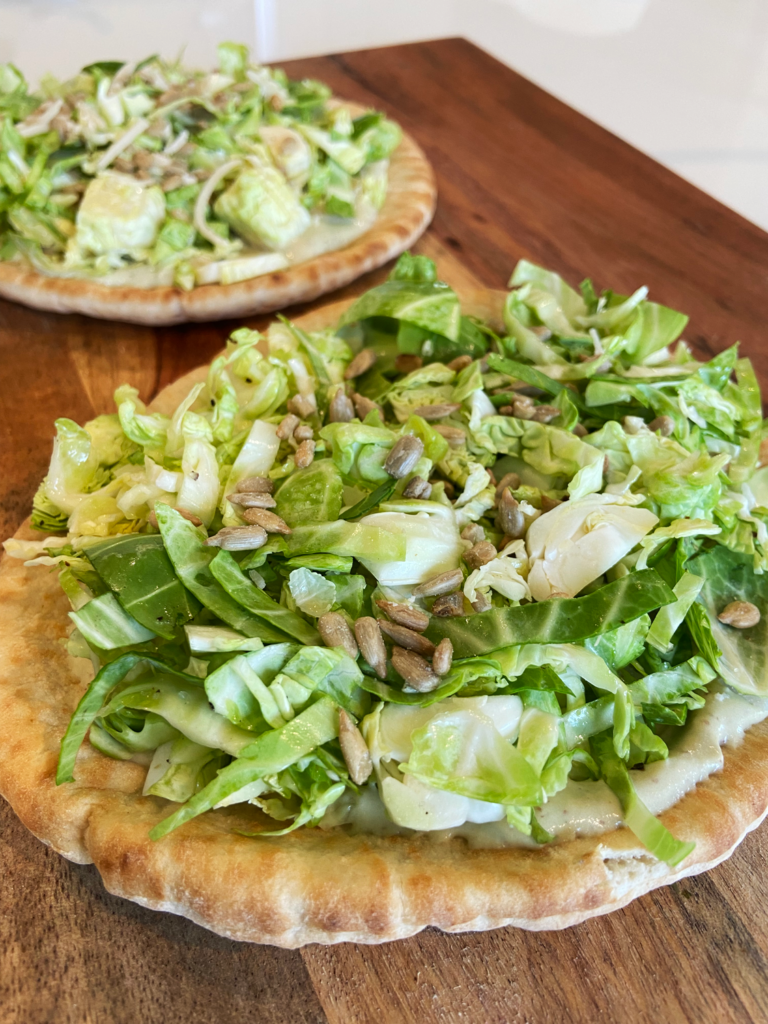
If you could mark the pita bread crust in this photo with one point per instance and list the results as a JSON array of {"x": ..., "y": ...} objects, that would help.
[
  {"x": 407, "y": 210},
  {"x": 286, "y": 890}
]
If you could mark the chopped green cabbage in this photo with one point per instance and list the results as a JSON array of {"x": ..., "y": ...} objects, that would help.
[
  {"x": 263, "y": 209},
  {"x": 119, "y": 214}
]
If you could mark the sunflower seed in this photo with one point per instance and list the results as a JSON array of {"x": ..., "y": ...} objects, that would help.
[
  {"x": 253, "y": 499},
  {"x": 305, "y": 453},
  {"x": 510, "y": 519},
  {"x": 189, "y": 516},
  {"x": 449, "y": 605},
  {"x": 405, "y": 615},
  {"x": 177, "y": 181},
  {"x": 417, "y": 487},
  {"x": 302, "y": 405},
  {"x": 480, "y": 554},
  {"x": 455, "y": 436},
  {"x": 580, "y": 431},
  {"x": 482, "y": 602},
  {"x": 443, "y": 583},
  {"x": 364, "y": 405},
  {"x": 371, "y": 644},
  {"x": 407, "y": 638},
  {"x": 341, "y": 409},
  {"x": 335, "y": 631},
  {"x": 415, "y": 670},
  {"x": 303, "y": 433},
  {"x": 511, "y": 480},
  {"x": 267, "y": 521},
  {"x": 545, "y": 413},
  {"x": 442, "y": 659},
  {"x": 547, "y": 504},
  {"x": 256, "y": 483},
  {"x": 523, "y": 408},
  {"x": 740, "y": 615},
  {"x": 633, "y": 424},
  {"x": 459, "y": 363},
  {"x": 473, "y": 532},
  {"x": 407, "y": 363},
  {"x": 665, "y": 425},
  {"x": 436, "y": 412},
  {"x": 238, "y": 538},
  {"x": 355, "y": 750},
  {"x": 287, "y": 426},
  {"x": 403, "y": 456},
  {"x": 363, "y": 361}
]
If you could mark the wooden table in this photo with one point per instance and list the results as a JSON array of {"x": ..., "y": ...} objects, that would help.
[{"x": 519, "y": 174}]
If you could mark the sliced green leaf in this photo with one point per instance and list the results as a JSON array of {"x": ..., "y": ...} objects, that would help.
[
  {"x": 93, "y": 700},
  {"x": 227, "y": 572},
  {"x": 371, "y": 501},
  {"x": 648, "y": 829},
  {"x": 521, "y": 371},
  {"x": 192, "y": 559},
  {"x": 137, "y": 569},
  {"x": 557, "y": 621},
  {"x": 270, "y": 753},
  {"x": 104, "y": 623}
]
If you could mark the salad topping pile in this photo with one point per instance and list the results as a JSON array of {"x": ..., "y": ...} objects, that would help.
[
  {"x": 417, "y": 561},
  {"x": 153, "y": 174}
]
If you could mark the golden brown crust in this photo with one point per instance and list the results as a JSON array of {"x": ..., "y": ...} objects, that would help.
[
  {"x": 407, "y": 211},
  {"x": 286, "y": 891}
]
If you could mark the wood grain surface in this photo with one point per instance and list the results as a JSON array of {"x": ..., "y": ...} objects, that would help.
[{"x": 520, "y": 175}]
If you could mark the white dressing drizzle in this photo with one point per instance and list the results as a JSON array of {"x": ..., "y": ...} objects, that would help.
[{"x": 590, "y": 808}]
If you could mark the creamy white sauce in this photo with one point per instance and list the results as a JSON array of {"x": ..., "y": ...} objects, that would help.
[
  {"x": 326, "y": 234},
  {"x": 590, "y": 808}
]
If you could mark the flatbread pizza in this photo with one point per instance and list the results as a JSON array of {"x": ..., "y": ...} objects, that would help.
[
  {"x": 151, "y": 193},
  {"x": 335, "y": 698}
]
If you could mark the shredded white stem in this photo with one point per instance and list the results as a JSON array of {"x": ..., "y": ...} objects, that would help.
[
  {"x": 39, "y": 122},
  {"x": 122, "y": 78},
  {"x": 242, "y": 269},
  {"x": 176, "y": 144},
  {"x": 201, "y": 205},
  {"x": 138, "y": 127},
  {"x": 305, "y": 385}
]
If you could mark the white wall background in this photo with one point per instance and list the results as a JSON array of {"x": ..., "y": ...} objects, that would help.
[
  {"x": 60, "y": 36},
  {"x": 684, "y": 80},
  {"x": 303, "y": 28}
]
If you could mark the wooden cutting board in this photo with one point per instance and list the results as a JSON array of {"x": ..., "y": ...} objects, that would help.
[{"x": 519, "y": 175}]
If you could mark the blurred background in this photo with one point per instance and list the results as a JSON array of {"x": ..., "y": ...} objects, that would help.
[{"x": 684, "y": 80}]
